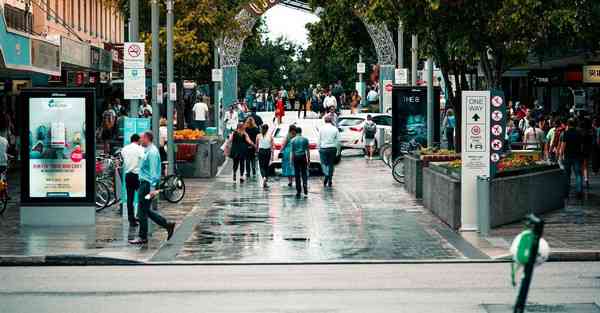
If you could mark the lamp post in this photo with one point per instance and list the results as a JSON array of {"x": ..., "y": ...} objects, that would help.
[
  {"x": 170, "y": 115},
  {"x": 155, "y": 71}
]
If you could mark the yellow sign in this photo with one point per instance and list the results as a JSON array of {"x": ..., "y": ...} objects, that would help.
[
  {"x": 258, "y": 7},
  {"x": 591, "y": 74}
]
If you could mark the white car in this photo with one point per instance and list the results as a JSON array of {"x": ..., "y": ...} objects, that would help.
[
  {"x": 351, "y": 129},
  {"x": 280, "y": 133}
]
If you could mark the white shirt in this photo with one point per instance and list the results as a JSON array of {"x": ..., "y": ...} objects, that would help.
[
  {"x": 329, "y": 136},
  {"x": 231, "y": 120},
  {"x": 132, "y": 156},
  {"x": 144, "y": 108},
  {"x": 373, "y": 95},
  {"x": 264, "y": 142},
  {"x": 3, "y": 148},
  {"x": 534, "y": 138},
  {"x": 200, "y": 109},
  {"x": 329, "y": 101}
]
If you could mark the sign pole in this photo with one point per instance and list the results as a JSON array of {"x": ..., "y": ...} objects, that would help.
[
  {"x": 170, "y": 115},
  {"x": 216, "y": 100},
  {"x": 155, "y": 72},
  {"x": 134, "y": 18},
  {"x": 430, "y": 113},
  {"x": 400, "y": 44},
  {"x": 414, "y": 50}
]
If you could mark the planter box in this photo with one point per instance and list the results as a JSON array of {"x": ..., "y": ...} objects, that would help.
[
  {"x": 441, "y": 194},
  {"x": 413, "y": 175},
  {"x": 207, "y": 159},
  {"x": 513, "y": 197}
]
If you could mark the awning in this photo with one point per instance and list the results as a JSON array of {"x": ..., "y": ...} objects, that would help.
[{"x": 22, "y": 53}]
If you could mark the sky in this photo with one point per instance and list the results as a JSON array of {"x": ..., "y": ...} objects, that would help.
[{"x": 289, "y": 23}]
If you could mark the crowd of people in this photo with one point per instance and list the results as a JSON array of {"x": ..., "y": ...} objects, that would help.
[{"x": 570, "y": 139}]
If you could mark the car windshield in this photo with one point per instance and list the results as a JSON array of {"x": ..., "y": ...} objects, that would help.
[{"x": 350, "y": 121}]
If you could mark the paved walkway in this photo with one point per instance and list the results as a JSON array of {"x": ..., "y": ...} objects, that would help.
[{"x": 366, "y": 216}]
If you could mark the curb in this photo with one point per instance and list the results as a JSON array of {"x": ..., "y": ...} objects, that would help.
[{"x": 64, "y": 260}]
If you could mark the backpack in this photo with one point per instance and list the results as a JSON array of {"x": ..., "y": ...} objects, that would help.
[{"x": 370, "y": 130}]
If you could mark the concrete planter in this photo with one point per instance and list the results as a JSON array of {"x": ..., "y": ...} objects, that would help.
[
  {"x": 413, "y": 175},
  {"x": 206, "y": 160},
  {"x": 513, "y": 197},
  {"x": 441, "y": 194}
]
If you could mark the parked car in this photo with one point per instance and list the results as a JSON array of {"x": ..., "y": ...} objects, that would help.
[
  {"x": 351, "y": 129},
  {"x": 309, "y": 131}
]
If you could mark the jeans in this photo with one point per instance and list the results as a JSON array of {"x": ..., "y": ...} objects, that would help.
[
  {"x": 264, "y": 160},
  {"x": 328, "y": 161},
  {"x": 251, "y": 162},
  {"x": 301, "y": 173},
  {"x": 239, "y": 162},
  {"x": 132, "y": 184},
  {"x": 573, "y": 165},
  {"x": 145, "y": 211}
]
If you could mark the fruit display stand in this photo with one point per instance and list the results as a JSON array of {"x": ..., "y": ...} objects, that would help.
[
  {"x": 522, "y": 186},
  {"x": 198, "y": 155},
  {"x": 414, "y": 164}
]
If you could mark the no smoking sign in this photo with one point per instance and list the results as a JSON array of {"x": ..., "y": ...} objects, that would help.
[{"x": 134, "y": 51}]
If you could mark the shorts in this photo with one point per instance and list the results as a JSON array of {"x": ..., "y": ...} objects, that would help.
[
  {"x": 370, "y": 142},
  {"x": 107, "y": 134}
]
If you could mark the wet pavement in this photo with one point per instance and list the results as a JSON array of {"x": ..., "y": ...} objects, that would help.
[{"x": 365, "y": 216}]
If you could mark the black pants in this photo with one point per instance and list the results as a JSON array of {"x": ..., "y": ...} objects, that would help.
[
  {"x": 264, "y": 160},
  {"x": 301, "y": 173},
  {"x": 132, "y": 184},
  {"x": 251, "y": 162},
  {"x": 145, "y": 211},
  {"x": 302, "y": 108},
  {"x": 450, "y": 138},
  {"x": 239, "y": 162}
]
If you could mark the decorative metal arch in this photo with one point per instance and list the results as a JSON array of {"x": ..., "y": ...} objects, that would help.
[{"x": 231, "y": 47}]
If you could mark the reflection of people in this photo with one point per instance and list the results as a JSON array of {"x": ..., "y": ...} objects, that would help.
[
  {"x": 132, "y": 155},
  {"x": 150, "y": 168}
]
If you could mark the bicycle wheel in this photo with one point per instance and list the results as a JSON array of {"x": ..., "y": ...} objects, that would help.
[
  {"x": 398, "y": 170},
  {"x": 174, "y": 190},
  {"x": 386, "y": 155},
  {"x": 102, "y": 196}
]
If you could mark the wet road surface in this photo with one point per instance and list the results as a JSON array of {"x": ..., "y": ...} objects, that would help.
[{"x": 365, "y": 216}]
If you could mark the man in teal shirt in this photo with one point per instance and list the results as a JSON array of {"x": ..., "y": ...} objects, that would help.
[
  {"x": 150, "y": 169},
  {"x": 301, "y": 159}
]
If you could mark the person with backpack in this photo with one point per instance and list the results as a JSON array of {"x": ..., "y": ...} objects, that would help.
[{"x": 369, "y": 132}]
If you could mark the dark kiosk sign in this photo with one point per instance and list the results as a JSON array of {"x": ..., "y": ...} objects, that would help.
[{"x": 409, "y": 113}]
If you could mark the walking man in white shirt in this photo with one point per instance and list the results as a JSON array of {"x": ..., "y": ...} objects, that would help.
[
  {"x": 200, "y": 113},
  {"x": 132, "y": 154},
  {"x": 329, "y": 138}
]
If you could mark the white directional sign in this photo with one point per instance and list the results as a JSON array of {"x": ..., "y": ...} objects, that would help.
[
  {"x": 401, "y": 76},
  {"x": 475, "y": 152},
  {"x": 159, "y": 93},
  {"x": 361, "y": 68},
  {"x": 387, "y": 95},
  {"x": 217, "y": 75},
  {"x": 133, "y": 55},
  {"x": 134, "y": 84},
  {"x": 173, "y": 91}
]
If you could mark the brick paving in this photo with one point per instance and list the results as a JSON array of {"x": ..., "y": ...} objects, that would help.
[{"x": 107, "y": 239}]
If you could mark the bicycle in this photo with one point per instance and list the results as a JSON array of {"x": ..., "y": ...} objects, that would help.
[
  {"x": 172, "y": 186},
  {"x": 107, "y": 169},
  {"x": 386, "y": 149},
  {"x": 398, "y": 165}
]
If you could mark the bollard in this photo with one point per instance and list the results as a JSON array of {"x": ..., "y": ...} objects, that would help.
[
  {"x": 537, "y": 226},
  {"x": 483, "y": 201}
]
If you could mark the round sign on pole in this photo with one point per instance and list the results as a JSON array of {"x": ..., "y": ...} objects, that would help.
[
  {"x": 476, "y": 130},
  {"x": 497, "y": 130},
  {"x": 497, "y": 145},
  {"x": 495, "y": 157},
  {"x": 497, "y": 115},
  {"x": 389, "y": 87},
  {"x": 134, "y": 51},
  {"x": 497, "y": 101}
]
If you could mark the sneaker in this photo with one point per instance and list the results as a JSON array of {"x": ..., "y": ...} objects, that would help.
[
  {"x": 138, "y": 241},
  {"x": 241, "y": 180},
  {"x": 170, "y": 230},
  {"x": 298, "y": 195}
]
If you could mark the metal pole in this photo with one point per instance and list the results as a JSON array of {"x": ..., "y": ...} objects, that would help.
[
  {"x": 414, "y": 51},
  {"x": 400, "y": 44},
  {"x": 360, "y": 59},
  {"x": 155, "y": 72},
  {"x": 134, "y": 21},
  {"x": 216, "y": 104},
  {"x": 538, "y": 230},
  {"x": 430, "y": 102},
  {"x": 170, "y": 115}
]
